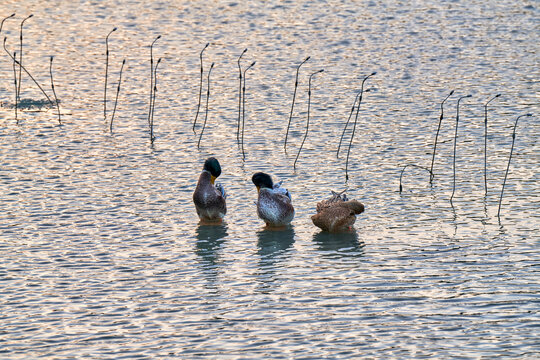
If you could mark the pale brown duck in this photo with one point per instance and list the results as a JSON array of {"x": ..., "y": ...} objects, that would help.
[{"x": 337, "y": 213}]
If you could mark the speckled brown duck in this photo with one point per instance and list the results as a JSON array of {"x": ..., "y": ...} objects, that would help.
[
  {"x": 337, "y": 213},
  {"x": 274, "y": 204},
  {"x": 209, "y": 198}
]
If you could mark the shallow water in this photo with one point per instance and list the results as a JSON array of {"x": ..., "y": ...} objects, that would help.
[{"x": 102, "y": 253}]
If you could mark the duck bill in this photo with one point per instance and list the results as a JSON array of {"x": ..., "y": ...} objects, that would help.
[
  {"x": 212, "y": 179},
  {"x": 258, "y": 189}
]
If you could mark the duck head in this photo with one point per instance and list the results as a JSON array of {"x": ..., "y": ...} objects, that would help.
[
  {"x": 262, "y": 180},
  {"x": 212, "y": 166}
]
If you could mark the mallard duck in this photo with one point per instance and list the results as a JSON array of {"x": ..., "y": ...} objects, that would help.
[
  {"x": 209, "y": 198},
  {"x": 274, "y": 204},
  {"x": 337, "y": 213}
]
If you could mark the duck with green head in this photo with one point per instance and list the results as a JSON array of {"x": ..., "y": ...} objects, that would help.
[
  {"x": 209, "y": 198},
  {"x": 274, "y": 204}
]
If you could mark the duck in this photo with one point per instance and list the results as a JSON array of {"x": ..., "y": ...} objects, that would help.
[
  {"x": 337, "y": 213},
  {"x": 274, "y": 203},
  {"x": 208, "y": 197}
]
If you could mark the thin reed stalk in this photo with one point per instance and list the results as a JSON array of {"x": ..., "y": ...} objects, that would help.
[
  {"x": 153, "y": 104},
  {"x": 455, "y": 147},
  {"x": 307, "y": 123},
  {"x": 117, "y": 93},
  {"x": 239, "y": 96},
  {"x": 347, "y": 123},
  {"x": 106, "y": 73},
  {"x": 485, "y": 140},
  {"x": 200, "y": 87},
  {"x": 354, "y": 126},
  {"x": 27, "y": 73},
  {"x": 509, "y": 159},
  {"x": 151, "y": 81},
  {"x": 293, "y": 99},
  {"x": 207, "y": 101},
  {"x": 244, "y": 109},
  {"x": 15, "y": 82},
  {"x": 54, "y": 92},
  {"x": 431, "y": 176},
  {"x": 4, "y": 19},
  {"x": 21, "y": 55}
]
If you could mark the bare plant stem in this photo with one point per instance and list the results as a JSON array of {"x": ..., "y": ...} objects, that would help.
[
  {"x": 354, "y": 126},
  {"x": 200, "y": 87},
  {"x": 509, "y": 159},
  {"x": 21, "y": 56},
  {"x": 153, "y": 104},
  {"x": 244, "y": 109},
  {"x": 207, "y": 100},
  {"x": 294, "y": 97},
  {"x": 485, "y": 140},
  {"x": 54, "y": 93},
  {"x": 151, "y": 82},
  {"x": 403, "y": 170},
  {"x": 307, "y": 123},
  {"x": 347, "y": 123},
  {"x": 4, "y": 19},
  {"x": 431, "y": 176},
  {"x": 455, "y": 146},
  {"x": 239, "y": 96},
  {"x": 118, "y": 92},
  {"x": 27, "y": 72},
  {"x": 15, "y": 82},
  {"x": 106, "y": 73}
]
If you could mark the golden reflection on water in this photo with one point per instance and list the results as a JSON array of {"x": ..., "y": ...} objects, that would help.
[{"x": 99, "y": 233}]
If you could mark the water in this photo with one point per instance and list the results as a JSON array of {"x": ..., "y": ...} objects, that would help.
[{"x": 102, "y": 253}]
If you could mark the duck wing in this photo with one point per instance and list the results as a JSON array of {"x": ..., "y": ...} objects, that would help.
[
  {"x": 281, "y": 190},
  {"x": 221, "y": 190}
]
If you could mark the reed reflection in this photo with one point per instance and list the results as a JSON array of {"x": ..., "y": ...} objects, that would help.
[{"x": 340, "y": 244}]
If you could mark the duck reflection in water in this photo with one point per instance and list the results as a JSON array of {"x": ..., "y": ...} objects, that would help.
[
  {"x": 272, "y": 242},
  {"x": 340, "y": 244},
  {"x": 210, "y": 239},
  {"x": 273, "y": 247}
]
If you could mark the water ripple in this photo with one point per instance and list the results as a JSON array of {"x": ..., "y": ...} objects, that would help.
[{"x": 103, "y": 256}]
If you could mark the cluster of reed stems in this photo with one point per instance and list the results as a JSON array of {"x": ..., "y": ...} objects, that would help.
[{"x": 17, "y": 61}]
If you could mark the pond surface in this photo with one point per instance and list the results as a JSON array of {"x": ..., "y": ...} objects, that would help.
[{"x": 102, "y": 253}]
